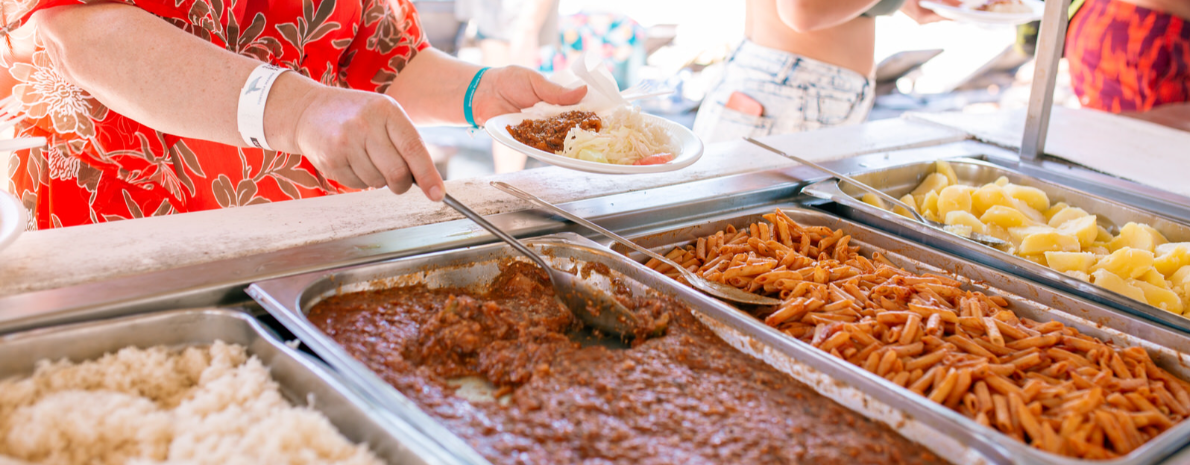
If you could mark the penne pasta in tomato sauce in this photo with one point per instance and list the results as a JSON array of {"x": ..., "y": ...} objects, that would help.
[{"x": 1042, "y": 383}]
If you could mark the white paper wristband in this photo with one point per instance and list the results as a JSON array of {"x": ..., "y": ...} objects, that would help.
[{"x": 254, "y": 94}]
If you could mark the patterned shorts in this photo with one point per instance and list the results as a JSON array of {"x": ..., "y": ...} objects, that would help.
[
  {"x": 798, "y": 94},
  {"x": 1128, "y": 58}
]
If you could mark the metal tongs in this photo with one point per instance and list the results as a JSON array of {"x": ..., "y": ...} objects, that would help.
[
  {"x": 976, "y": 237},
  {"x": 596, "y": 309},
  {"x": 719, "y": 290}
]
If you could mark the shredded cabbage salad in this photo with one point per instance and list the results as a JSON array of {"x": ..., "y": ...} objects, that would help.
[{"x": 627, "y": 138}]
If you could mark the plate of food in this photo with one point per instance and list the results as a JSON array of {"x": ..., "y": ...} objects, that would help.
[
  {"x": 12, "y": 219},
  {"x": 604, "y": 133},
  {"x": 622, "y": 141},
  {"x": 1010, "y": 12}
]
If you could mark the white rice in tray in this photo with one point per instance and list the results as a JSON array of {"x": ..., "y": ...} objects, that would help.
[{"x": 200, "y": 405}]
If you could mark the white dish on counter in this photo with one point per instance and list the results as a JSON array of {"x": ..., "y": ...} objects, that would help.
[
  {"x": 12, "y": 219},
  {"x": 966, "y": 14},
  {"x": 691, "y": 148}
]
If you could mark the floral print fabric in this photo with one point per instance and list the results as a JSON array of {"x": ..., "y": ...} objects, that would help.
[{"x": 101, "y": 166}]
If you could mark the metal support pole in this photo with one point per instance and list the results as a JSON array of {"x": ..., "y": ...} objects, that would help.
[{"x": 1050, "y": 41}]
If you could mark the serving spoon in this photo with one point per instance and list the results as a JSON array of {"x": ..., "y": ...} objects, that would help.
[
  {"x": 975, "y": 237},
  {"x": 596, "y": 309},
  {"x": 719, "y": 290}
]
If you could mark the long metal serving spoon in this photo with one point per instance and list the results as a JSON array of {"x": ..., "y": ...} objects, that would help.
[
  {"x": 596, "y": 309},
  {"x": 721, "y": 291},
  {"x": 976, "y": 237}
]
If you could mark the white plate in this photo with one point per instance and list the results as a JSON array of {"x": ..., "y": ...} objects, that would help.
[
  {"x": 12, "y": 219},
  {"x": 690, "y": 148},
  {"x": 958, "y": 13}
]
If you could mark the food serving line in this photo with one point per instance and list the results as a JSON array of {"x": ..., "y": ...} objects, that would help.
[{"x": 207, "y": 300}]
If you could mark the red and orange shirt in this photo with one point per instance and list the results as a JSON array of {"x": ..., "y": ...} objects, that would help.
[
  {"x": 100, "y": 166},
  {"x": 1128, "y": 58}
]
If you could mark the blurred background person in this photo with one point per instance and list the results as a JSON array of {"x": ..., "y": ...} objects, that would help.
[
  {"x": 511, "y": 32},
  {"x": 1133, "y": 58},
  {"x": 805, "y": 64}
]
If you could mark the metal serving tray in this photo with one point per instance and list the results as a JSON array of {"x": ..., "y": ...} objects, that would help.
[
  {"x": 290, "y": 298},
  {"x": 1041, "y": 304},
  {"x": 899, "y": 180},
  {"x": 303, "y": 381}
]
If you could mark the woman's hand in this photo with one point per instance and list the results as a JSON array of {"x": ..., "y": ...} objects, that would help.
[
  {"x": 364, "y": 139},
  {"x": 513, "y": 88}
]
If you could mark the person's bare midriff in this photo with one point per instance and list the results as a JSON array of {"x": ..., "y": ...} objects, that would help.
[{"x": 849, "y": 45}]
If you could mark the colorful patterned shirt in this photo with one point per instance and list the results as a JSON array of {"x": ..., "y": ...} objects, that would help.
[
  {"x": 1125, "y": 57},
  {"x": 102, "y": 166}
]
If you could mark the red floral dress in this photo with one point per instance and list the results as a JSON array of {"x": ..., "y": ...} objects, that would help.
[{"x": 101, "y": 166}]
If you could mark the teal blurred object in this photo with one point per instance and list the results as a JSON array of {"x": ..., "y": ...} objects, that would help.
[{"x": 619, "y": 40}]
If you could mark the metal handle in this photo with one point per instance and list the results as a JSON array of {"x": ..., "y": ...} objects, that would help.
[
  {"x": 580, "y": 220},
  {"x": 1050, "y": 39},
  {"x": 842, "y": 177},
  {"x": 471, "y": 215}
]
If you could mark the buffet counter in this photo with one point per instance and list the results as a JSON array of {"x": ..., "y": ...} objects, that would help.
[{"x": 934, "y": 349}]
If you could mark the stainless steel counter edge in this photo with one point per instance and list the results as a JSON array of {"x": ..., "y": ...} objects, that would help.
[{"x": 223, "y": 282}]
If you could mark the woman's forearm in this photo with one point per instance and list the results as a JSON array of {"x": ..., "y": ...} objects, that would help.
[
  {"x": 150, "y": 71},
  {"x": 812, "y": 15},
  {"x": 431, "y": 88}
]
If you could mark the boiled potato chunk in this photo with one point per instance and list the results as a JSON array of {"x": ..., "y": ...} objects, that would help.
[
  {"x": 998, "y": 232},
  {"x": 1083, "y": 228},
  {"x": 1098, "y": 248},
  {"x": 954, "y": 198},
  {"x": 1066, "y": 214},
  {"x": 1101, "y": 235},
  {"x": 1070, "y": 261},
  {"x": 1054, "y": 209},
  {"x": 1018, "y": 235},
  {"x": 1181, "y": 277},
  {"x": 907, "y": 200},
  {"x": 1111, "y": 282},
  {"x": 1005, "y": 217},
  {"x": 874, "y": 200},
  {"x": 1126, "y": 263},
  {"x": 1030, "y": 213},
  {"x": 1160, "y": 297},
  {"x": 1169, "y": 247},
  {"x": 959, "y": 229},
  {"x": 965, "y": 218},
  {"x": 1137, "y": 236},
  {"x": 1080, "y": 275},
  {"x": 933, "y": 183},
  {"x": 1172, "y": 260},
  {"x": 1051, "y": 241},
  {"x": 929, "y": 203},
  {"x": 989, "y": 196},
  {"x": 1001, "y": 181},
  {"x": 943, "y": 167},
  {"x": 1151, "y": 276},
  {"x": 1033, "y": 197}
]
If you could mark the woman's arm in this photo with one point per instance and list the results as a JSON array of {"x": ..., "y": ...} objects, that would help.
[
  {"x": 812, "y": 15},
  {"x": 432, "y": 86},
  {"x": 167, "y": 79}
]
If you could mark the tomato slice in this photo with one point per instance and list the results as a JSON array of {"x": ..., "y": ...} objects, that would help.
[{"x": 658, "y": 159}]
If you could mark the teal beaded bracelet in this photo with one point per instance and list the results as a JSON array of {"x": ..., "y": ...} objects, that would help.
[{"x": 470, "y": 95}]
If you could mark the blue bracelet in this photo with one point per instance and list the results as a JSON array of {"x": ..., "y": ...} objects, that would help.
[{"x": 470, "y": 95}]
